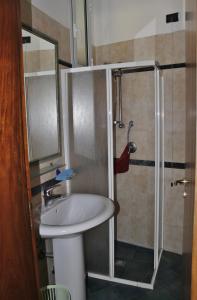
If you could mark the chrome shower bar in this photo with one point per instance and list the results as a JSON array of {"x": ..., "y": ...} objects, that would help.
[
  {"x": 118, "y": 77},
  {"x": 132, "y": 70}
]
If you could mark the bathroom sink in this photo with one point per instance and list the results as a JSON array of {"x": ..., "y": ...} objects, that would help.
[
  {"x": 64, "y": 222},
  {"x": 75, "y": 213}
]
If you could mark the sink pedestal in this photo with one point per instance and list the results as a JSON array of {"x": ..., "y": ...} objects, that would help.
[
  {"x": 69, "y": 264},
  {"x": 64, "y": 222}
]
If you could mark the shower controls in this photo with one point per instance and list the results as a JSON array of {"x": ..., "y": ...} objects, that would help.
[
  {"x": 119, "y": 123},
  {"x": 132, "y": 147}
]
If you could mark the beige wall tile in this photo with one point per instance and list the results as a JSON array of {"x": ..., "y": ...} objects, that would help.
[
  {"x": 174, "y": 115},
  {"x": 173, "y": 238},
  {"x": 121, "y": 52},
  {"x": 102, "y": 55},
  {"x": 164, "y": 48},
  {"x": 144, "y": 48},
  {"x": 173, "y": 211},
  {"x": 170, "y": 48},
  {"x": 174, "y": 201},
  {"x": 135, "y": 195},
  {"x": 114, "y": 53},
  {"x": 179, "y": 89},
  {"x": 35, "y": 61},
  {"x": 168, "y": 144},
  {"x": 179, "y": 147},
  {"x": 179, "y": 46}
]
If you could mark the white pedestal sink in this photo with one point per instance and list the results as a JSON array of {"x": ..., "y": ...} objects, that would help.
[{"x": 64, "y": 222}]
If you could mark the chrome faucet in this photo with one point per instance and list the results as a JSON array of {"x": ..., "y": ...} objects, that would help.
[{"x": 48, "y": 194}]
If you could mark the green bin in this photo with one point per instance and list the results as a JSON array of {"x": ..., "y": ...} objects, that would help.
[{"x": 55, "y": 292}]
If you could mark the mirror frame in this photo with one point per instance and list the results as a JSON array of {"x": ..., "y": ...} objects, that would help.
[{"x": 58, "y": 98}]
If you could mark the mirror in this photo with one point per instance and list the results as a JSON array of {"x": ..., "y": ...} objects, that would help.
[{"x": 41, "y": 90}]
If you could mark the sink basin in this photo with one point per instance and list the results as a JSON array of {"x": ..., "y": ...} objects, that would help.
[
  {"x": 64, "y": 222},
  {"x": 74, "y": 214}
]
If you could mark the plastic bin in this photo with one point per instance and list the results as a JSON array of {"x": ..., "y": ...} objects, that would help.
[{"x": 55, "y": 292}]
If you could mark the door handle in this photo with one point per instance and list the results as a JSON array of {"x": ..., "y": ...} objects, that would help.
[{"x": 182, "y": 181}]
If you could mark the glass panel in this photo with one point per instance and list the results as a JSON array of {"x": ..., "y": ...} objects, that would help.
[
  {"x": 88, "y": 154},
  {"x": 81, "y": 35},
  {"x": 135, "y": 189}
]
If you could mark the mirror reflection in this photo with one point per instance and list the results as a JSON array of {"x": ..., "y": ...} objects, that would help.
[{"x": 41, "y": 89}]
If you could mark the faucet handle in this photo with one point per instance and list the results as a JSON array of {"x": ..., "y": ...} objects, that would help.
[
  {"x": 48, "y": 196},
  {"x": 49, "y": 190}
]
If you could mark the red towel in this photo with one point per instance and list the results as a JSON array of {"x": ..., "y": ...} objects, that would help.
[{"x": 121, "y": 164}]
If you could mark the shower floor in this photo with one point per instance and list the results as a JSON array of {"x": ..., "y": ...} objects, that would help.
[
  {"x": 168, "y": 284},
  {"x": 133, "y": 262}
]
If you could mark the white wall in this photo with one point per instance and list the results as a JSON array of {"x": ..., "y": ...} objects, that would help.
[
  {"x": 57, "y": 9},
  {"x": 121, "y": 20}
]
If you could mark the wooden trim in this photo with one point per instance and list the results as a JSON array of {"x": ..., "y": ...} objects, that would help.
[
  {"x": 18, "y": 263},
  {"x": 194, "y": 248},
  {"x": 27, "y": 169},
  {"x": 190, "y": 215}
]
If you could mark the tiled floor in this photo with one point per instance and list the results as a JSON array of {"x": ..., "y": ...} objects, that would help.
[
  {"x": 168, "y": 284},
  {"x": 133, "y": 262}
]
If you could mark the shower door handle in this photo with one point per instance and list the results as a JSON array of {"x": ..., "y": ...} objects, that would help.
[{"x": 182, "y": 181}]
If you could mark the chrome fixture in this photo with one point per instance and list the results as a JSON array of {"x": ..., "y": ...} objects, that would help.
[
  {"x": 132, "y": 145},
  {"x": 118, "y": 77},
  {"x": 181, "y": 182},
  {"x": 48, "y": 194}
]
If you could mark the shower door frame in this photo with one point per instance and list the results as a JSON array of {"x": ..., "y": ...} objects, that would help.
[{"x": 159, "y": 161}]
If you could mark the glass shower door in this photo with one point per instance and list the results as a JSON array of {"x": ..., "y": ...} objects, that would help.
[
  {"x": 139, "y": 191},
  {"x": 87, "y": 96},
  {"x": 127, "y": 250}
]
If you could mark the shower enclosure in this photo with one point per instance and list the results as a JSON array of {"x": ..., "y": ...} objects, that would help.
[{"x": 91, "y": 142}]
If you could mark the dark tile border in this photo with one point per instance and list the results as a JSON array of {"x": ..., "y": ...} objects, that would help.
[
  {"x": 172, "y": 66},
  {"x": 64, "y": 63},
  {"x": 151, "y": 68},
  {"x": 151, "y": 163},
  {"x": 139, "y": 162},
  {"x": 175, "y": 165}
]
